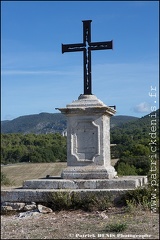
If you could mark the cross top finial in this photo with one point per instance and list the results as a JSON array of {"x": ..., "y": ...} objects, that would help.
[
  {"x": 86, "y": 20},
  {"x": 87, "y": 46}
]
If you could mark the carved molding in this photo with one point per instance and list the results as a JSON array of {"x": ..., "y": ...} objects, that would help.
[{"x": 85, "y": 140}]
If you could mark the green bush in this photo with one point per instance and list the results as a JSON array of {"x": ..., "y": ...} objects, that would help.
[
  {"x": 124, "y": 169},
  {"x": 4, "y": 179},
  {"x": 116, "y": 227},
  {"x": 133, "y": 165},
  {"x": 72, "y": 200},
  {"x": 139, "y": 197}
]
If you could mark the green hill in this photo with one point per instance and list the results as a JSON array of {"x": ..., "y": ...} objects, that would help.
[
  {"x": 37, "y": 123},
  {"x": 48, "y": 123},
  {"x": 135, "y": 144}
]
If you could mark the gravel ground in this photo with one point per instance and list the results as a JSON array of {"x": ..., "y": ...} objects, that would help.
[{"x": 81, "y": 225}]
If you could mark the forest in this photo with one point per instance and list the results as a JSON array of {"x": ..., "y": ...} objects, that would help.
[
  {"x": 133, "y": 145},
  {"x": 17, "y": 147}
]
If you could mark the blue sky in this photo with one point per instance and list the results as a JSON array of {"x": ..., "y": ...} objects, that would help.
[{"x": 35, "y": 75}]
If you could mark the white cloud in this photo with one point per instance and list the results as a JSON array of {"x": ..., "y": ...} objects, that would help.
[
  {"x": 37, "y": 72},
  {"x": 142, "y": 108}
]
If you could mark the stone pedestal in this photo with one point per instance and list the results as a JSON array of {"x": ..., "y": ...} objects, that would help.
[
  {"x": 88, "y": 139},
  {"x": 89, "y": 172}
]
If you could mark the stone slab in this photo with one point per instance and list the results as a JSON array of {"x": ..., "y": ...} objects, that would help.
[
  {"x": 46, "y": 190},
  {"x": 127, "y": 182},
  {"x": 47, "y": 195},
  {"x": 89, "y": 172}
]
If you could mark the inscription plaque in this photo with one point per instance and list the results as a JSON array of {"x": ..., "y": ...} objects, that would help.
[{"x": 86, "y": 141}]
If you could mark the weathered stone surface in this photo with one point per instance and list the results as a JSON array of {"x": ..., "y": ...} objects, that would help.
[
  {"x": 47, "y": 195},
  {"x": 12, "y": 206},
  {"x": 6, "y": 208},
  {"x": 30, "y": 206},
  {"x": 43, "y": 209},
  {"x": 28, "y": 214},
  {"x": 89, "y": 172},
  {"x": 88, "y": 139},
  {"x": 127, "y": 182}
]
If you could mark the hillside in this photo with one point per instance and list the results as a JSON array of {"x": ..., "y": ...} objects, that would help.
[
  {"x": 48, "y": 123},
  {"x": 38, "y": 123},
  {"x": 141, "y": 126},
  {"x": 135, "y": 143}
]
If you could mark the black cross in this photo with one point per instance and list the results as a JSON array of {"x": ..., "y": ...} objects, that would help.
[{"x": 87, "y": 46}]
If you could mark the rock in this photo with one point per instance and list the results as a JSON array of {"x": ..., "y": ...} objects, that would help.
[
  {"x": 43, "y": 209},
  {"x": 116, "y": 176},
  {"x": 6, "y": 208},
  {"x": 29, "y": 207},
  {"x": 103, "y": 215},
  {"x": 9, "y": 206},
  {"x": 28, "y": 213}
]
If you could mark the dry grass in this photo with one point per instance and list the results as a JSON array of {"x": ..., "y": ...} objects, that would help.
[{"x": 17, "y": 173}]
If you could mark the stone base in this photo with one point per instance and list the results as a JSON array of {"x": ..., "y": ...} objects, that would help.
[
  {"x": 89, "y": 172},
  {"x": 48, "y": 195},
  {"x": 127, "y": 182},
  {"x": 48, "y": 189}
]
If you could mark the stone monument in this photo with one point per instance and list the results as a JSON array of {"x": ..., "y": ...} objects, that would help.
[
  {"x": 88, "y": 139},
  {"x": 88, "y": 122},
  {"x": 89, "y": 169}
]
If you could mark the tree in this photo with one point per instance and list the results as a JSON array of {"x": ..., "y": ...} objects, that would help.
[{"x": 125, "y": 169}]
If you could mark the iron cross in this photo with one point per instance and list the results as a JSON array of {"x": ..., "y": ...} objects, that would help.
[{"x": 87, "y": 46}]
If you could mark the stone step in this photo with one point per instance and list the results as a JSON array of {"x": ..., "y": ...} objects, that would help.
[
  {"x": 48, "y": 195},
  {"x": 48, "y": 189},
  {"x": 127, "y": 182}
]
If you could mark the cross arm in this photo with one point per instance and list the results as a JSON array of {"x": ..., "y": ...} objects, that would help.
[
  {"x": 101, "y": 45},
  {"x": 73, "y": 47}
]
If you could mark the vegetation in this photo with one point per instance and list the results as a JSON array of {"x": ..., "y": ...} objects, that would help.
[
  {"x": 116, "y": 227},
  {"x": 44, "y": 123},
  {"x": 4, "y": 179},
  {"x": 38, "y": 123},
  {"x": 32, "y": 148},
  {"x": 18, "y": 173},
  {"x": 140, "y": 196},
  {"x": 132, "y": 140},
  {"x": 133, "y": 145},
  {"x": 73, "y": 200}
]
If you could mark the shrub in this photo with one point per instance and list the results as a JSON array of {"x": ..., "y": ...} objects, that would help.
[
  {"x": 4, "y": 179},
  {"x": 124, "y": 169},
  {"x": 72, "y": 200},
  {"x": 116, "y": 227},
  {"x": 140, "y": 197}
]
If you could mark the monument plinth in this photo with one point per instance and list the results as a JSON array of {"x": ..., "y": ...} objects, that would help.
[{"x": 88, "y": 139}]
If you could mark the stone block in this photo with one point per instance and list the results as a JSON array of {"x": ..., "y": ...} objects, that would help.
[
  {"x": 47, "y": 195},
  {"x": 126, "y": 182},
  {"x": 43, "y": 209}
]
